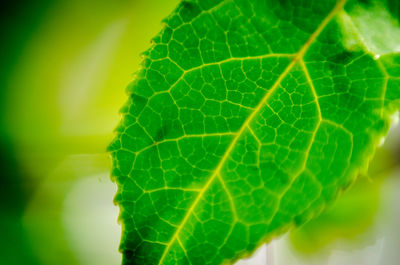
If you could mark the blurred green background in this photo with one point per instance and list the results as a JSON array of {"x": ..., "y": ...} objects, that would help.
[{"x": 64, "y": 66}]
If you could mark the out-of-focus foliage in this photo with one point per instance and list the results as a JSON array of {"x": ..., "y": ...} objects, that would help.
[{"x": 64, "y": 64}]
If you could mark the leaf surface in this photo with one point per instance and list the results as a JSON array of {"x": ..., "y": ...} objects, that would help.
[
  {"x": 352, "y": 218},
  {"x": 246, "y": 118}
]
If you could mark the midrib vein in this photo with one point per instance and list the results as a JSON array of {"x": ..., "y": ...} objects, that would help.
[{"x": 299, "y": 55}]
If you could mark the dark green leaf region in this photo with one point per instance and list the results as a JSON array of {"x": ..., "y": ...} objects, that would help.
[{"x": 248, "y": 118}]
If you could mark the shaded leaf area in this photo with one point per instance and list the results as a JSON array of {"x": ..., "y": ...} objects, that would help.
[
  {"x": 14, "y": 246},
  {"x": 247, "y": 117}
]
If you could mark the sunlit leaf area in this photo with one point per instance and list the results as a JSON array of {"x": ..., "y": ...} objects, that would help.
[{"x": 65, "y": 66}]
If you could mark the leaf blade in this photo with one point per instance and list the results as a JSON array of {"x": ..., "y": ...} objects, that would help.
[{"x": 197, "y": 149}]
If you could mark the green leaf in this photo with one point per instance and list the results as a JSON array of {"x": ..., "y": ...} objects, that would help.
[
  {"x": 249, "y": 117},
  {"x": 353, "y": 215}
]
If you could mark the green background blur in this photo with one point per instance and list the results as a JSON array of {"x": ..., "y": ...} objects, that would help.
[{"x": 64, "y": 65}]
